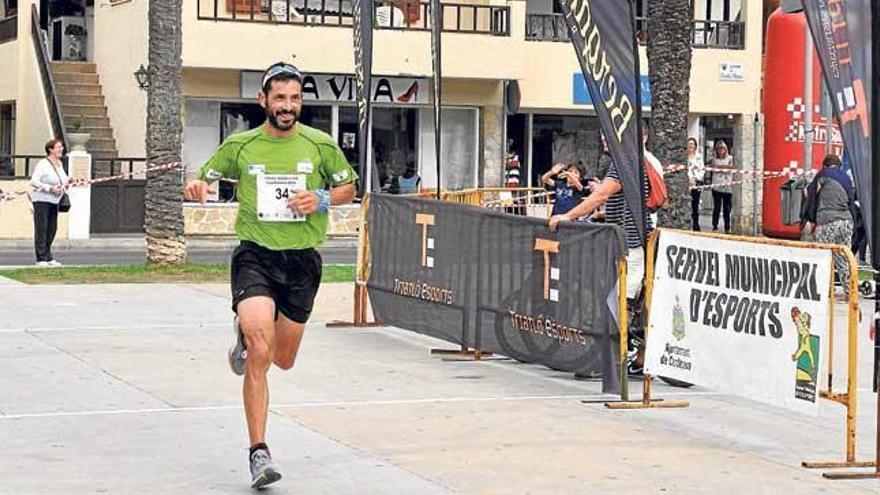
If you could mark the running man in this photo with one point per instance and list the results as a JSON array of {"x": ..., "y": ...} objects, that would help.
[{"x": 289, "y": 174}]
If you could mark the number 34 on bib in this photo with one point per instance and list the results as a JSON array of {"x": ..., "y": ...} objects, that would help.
[{"x": 273, "y": 192}]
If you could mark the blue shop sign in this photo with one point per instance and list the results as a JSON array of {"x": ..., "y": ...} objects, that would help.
[{"x": 581, "y": 96}]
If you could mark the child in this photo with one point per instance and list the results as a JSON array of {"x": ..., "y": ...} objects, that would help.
[{"x": 567, "y": 182}]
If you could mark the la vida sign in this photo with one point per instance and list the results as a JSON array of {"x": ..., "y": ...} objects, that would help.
[{"x": 340, "y": 88}]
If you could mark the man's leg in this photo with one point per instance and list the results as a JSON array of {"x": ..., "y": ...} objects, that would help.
[
  {"x": 288, "y": 336},
  {"x": 635, "y": 274},
  {"x": 295, "y": 306},
  {"x": 635, "y": 271},
  {"x": 256, "y": 317}
]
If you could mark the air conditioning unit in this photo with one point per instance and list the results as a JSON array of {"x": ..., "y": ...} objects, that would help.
[{"x": 67, "y": 38}]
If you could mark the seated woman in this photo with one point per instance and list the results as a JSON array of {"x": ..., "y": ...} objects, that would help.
[{"x": 408, "y": 183}]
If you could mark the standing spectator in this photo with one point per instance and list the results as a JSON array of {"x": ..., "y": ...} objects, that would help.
[
  {"x": 567, "y": 182},
  {"x": 49, "y": 182},
  {"x": 831, "y": 197},
  {"x": 696, "y": 175},
  {"x": 610, "y": 192},
  {"x": 512, "y": 167},
  {"x": 722, "y": 177}
]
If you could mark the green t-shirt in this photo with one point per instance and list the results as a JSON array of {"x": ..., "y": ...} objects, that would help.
[{"x": 245, "y": 156}]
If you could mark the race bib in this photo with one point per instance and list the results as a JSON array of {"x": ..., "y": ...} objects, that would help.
[{"x": 273, "y": 192}]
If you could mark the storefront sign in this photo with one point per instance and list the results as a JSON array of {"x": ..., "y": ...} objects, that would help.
[
  {"x": 742, "y": 318},
  {"x": 580, "y": 95},
  {"x": 339, "y": 88}
]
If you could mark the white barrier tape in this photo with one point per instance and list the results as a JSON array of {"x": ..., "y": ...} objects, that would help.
[
  {"x": 789, "y": 172},
  {"x": 12, "y": 195},
  {"x": 766, "y": 176}
]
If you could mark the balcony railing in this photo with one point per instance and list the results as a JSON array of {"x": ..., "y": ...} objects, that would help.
[
  {"x": 551, "y": 27},
  {"x": 546, "y": 27},
  {"x": 409, "y": 15},
  {"x": 706, "y": 34},
  {"x": 719, "y": 34},
  {"x": 17, "y": 166},
  {"x": 8, "y": 29}
]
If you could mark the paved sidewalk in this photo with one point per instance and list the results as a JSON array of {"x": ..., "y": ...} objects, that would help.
[
  {"x": 138, "y": 243},
  {"x": 125, "y": 389}
]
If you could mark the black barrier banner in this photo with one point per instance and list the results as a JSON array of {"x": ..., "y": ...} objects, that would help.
[
  {"x": 437, "y": 62},
  {"x": 362, "y": 17},
  {"x": 603, "y": 37},
  {"x": 423, "y": 254},
  {"x": 548, "y": 298},
  {"x": 841, "y": 30},
  {"x": 496, "y": 282}
]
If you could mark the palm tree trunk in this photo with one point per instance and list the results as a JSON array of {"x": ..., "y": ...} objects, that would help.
[
  {"x": 164, "y": 201},
  {"x": 669, "y": 60}
]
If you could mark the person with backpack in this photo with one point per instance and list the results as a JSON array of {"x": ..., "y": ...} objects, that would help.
[
  {"x": 610, "y": 192},
  {"x": 830, "y": 212}
]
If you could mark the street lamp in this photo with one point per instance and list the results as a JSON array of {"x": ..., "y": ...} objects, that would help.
[{"x": 143, "y": 77}]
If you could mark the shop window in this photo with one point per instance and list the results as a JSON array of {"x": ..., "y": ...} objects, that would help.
[
  {"x": 348, "y": 135},
  {"x": 563, "y": 139},
  {"x": 8, "y": 8},
  {"x": 458, "y": 153},
  {"x": 394, "y": 144},
  {"x": 716, "y": 127}
]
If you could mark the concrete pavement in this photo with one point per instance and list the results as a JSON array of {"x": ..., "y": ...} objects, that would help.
[
  {"x": 125, "y": 389},
  {"x": 115, "y": 250}
]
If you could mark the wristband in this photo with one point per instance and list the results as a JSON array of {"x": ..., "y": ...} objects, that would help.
[{"x": 323, "y": 200}]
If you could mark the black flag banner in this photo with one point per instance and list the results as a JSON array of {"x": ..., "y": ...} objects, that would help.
[
  {"x": 362, "y": 17},
  {"x": 603, "y": 36},
  {"x": 496, "y": 282},
  {"x": 841, "y": 30},
  {"x": 437, "y": 61}
]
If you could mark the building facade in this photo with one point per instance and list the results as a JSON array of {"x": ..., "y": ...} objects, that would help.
[{"x": 490, "y": 47}]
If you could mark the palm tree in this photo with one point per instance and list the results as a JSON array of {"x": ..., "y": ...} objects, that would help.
[
  {"x": 164, "y": 201},
  {"x": 669, "y": 60}
]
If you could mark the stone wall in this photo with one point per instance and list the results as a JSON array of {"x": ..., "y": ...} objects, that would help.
[
  {"x": 749, "y": 153},
  {"x": 218, "y": 219},
  {"x": 492, "y": 134}
]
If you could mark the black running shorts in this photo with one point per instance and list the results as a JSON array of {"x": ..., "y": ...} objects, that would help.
[{"x": 290, "y": 278}]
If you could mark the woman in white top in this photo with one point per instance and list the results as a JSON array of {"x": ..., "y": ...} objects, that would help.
[
  {"x": 48, "y": 182},
  {"x": 722, "y": 191},
  {"x": 696, "y": 175}
]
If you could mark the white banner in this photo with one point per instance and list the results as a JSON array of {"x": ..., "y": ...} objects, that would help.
[{"x": 741, "y": 318}]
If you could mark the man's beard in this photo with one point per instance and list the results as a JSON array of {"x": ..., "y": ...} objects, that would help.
[{"x": 273, "y": 119}]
